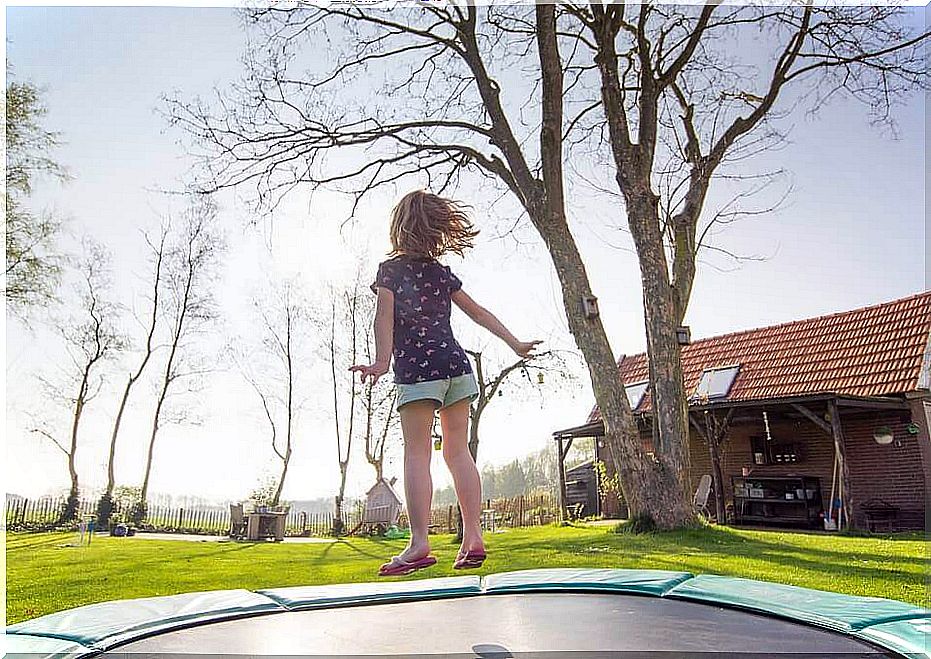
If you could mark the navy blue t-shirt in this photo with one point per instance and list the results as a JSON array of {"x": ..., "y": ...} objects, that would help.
[{"x": 424, "y": 347}]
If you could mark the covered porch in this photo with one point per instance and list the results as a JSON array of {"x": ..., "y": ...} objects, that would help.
[{"x": 820, "y": 461}]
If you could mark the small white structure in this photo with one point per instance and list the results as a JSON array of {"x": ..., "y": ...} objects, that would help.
[{"x": 382, "y": 505}]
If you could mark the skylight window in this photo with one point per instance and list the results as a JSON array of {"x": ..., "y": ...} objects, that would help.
[
  {"x": 635, "y": 393},
  {"x": 716, "y": 382}
]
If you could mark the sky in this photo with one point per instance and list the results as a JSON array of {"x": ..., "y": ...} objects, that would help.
[{"x": 852, "y": 233}]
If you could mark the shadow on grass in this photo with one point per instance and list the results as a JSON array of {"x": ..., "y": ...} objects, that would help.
[{"x": 729, "y": 552}]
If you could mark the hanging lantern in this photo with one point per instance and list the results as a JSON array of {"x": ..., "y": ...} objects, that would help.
[
  {"x": 437, "y": 443},
  {"x": 540, "y": 377}
]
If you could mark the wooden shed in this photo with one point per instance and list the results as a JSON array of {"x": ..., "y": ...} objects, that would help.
[
  {"x": 382, "y": 504},
  {"x": 822, "y": 418},
  {"x": 582, "y": 488}
]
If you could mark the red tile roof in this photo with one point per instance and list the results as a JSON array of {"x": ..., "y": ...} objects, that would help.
[{"x": 872, "y": 351}]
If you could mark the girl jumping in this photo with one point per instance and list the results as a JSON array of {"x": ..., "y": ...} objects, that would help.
[{"x": 431, "y": 370}]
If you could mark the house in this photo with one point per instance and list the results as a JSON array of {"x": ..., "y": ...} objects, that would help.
[{"x": 817, "y": 418}]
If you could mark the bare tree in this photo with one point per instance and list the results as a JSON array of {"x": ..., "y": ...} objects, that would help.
[
  {"x": 381, "y": 422},
  {"x": 189, "y": 272},
  {"x": 595, "y": 73},
  {"x": 273, "y": 373},
  {"x": 381, "y": 418},
  {"x": 157, "y": 253},
  {"x": 92, "y": 337},
  {"x": 342, "y": 349}
]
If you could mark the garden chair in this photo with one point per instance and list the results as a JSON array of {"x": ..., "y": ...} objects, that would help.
[
  {"x": 237, "y": 522},
  {"x": 700, "y": 500}
]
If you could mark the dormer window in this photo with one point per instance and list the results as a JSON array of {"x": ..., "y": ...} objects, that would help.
[
  {"x": 635, "y": 393},
  {"x": 716, "y": 382}
]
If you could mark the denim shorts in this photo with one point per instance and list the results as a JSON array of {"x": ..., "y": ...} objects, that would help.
[{"x": 443, "y": 392}]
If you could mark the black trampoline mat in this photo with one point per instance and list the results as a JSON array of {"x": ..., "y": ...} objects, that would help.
[{"x": 530, "y": 624}]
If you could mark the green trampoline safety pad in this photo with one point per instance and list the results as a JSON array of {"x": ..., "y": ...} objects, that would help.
[
  {"x": 95, "y": 628},
  {"x": 911, "y": 638},
  {"x": 652, "y": 582},
  {"x": 307, "y": 597},
  {"x": 844, "y": 613},
  {"x": 43, "y": 646},
  {"x": 103, "y": 625}
]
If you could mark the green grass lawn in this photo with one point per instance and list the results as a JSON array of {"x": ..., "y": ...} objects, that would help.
[{"x": 44, "y": 576}]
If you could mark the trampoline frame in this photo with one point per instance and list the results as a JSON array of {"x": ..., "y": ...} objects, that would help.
[{"x": 90, "y": 630}]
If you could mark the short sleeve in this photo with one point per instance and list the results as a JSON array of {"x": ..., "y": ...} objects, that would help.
[
  {"x": 385, "y": 277},
  {"x": 454, "y": 282}
]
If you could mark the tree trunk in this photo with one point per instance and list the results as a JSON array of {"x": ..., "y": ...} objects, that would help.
[
  {"x": 651, "y": 487},
  {"x": 144, "y": 493},
  {"x": 717, "y": 475},
  {"x": 105, "y": 504},
  {"x": 70, "y": 511},
  {"x": 284, "y": 472},
  {"x": 111, "y": 475}
]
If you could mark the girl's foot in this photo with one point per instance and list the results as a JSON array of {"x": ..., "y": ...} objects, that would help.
[
  {"x": 414, "y": 552},
  {"x": 414, "y": 557},
  {"x": 469, "y": 558}
]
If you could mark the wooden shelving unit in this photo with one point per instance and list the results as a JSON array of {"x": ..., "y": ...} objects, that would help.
[{"x": 794, "y": 500}]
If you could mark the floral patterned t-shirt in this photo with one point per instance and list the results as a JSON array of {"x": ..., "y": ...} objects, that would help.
[{"x": 424, "y": 346}]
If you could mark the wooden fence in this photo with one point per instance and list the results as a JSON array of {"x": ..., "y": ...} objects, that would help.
[
  {"x": 41, "y": 514},
  {"x": 522, "y": 510}
]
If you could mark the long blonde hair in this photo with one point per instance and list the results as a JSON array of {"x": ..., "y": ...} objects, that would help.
[{"x": 424, "y": 224}]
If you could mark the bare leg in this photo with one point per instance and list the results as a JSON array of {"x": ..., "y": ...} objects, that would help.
[
  {"x": 455, "y": 423},
  {"x": 416, "y": 424}
]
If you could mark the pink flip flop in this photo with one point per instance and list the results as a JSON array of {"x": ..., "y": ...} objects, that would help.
[
  {"x": 469, "y": 560},
  {"x": 398, "y": 565}
]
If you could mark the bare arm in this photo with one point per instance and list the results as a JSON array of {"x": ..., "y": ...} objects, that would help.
[
  {"x": 384, "y": 326},
  {"x": 482, "y": 316},
  {"x": 384, "y": 336}
]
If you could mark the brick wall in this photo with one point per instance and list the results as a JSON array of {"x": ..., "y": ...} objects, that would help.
[{"x": 893, "y": 472}]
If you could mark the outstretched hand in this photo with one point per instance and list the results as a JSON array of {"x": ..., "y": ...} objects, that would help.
[
  {"x": 525, "y": 348},
  {"x": 373, "y": 371}
]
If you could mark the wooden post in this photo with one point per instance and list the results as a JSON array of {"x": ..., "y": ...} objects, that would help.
[
  {"x": 562, "y": 480},
  {"x": 837, "y": 431}
]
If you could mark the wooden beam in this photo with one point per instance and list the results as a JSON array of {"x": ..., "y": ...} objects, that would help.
[
  {"x": 874, "y": 403},
  {"x": 814, "y": 418},
  {"x": 698, "y": 427},
  {"x": 837, "y": 431},
  {"x": 561, "y": 467}
]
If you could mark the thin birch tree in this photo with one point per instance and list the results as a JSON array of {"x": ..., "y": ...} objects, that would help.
[
  {"x": 92, "y": 337},
  {"x": 157, "y": 255},
  {"x": 192, "y": 259},
  {"x": 274, "y": 371}
]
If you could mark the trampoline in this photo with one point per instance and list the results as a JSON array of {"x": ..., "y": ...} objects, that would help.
[{"x": 529, "y": 613}]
